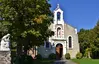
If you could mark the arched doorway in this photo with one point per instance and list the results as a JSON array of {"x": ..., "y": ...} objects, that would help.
[{"x": 59, "y": 51}]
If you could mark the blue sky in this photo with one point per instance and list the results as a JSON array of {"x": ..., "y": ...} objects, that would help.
[{"x": 79, "y": 13}]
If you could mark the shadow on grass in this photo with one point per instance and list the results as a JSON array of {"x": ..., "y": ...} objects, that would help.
[
  {"x": 24, "y": 59},
  {"x": 43, "y": 61}
]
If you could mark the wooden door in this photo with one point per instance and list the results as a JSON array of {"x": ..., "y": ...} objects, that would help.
[{"x": 59, "y": 52}]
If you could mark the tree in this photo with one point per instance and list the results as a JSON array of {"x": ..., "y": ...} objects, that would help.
[
  {"x": 3, "y": 28},
  {"x": 89, "y": 41},
  {"x": 29, "y": 21},
  {"x": 83, "y": 39},
  {"x": 95, "y": 48},
  {"x": 86, "y": 40}
]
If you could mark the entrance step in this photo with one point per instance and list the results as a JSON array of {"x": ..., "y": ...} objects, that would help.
[{"x": 63, "y": 58}]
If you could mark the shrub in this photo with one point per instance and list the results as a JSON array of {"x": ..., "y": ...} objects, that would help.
[
  {"x": 67, "y": 56},
  {"x": 38, "y": 56},
  {"x": 52, "y": 56},
  {"x": 88, "y": 53},
  {"x": 23, "y": 59},
  {"x": 79, "y": 55}
]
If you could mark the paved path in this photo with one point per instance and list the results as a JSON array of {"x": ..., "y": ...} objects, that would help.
[{"x": 63, "y": 61}]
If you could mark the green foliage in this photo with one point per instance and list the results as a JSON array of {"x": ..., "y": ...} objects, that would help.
[
  {"x": 27, "y": 21},
  {"x": 79, "y": 55},
  {"x": 89, "y": 42},
  {"x": 3, "y": 28},
  {"x": 84, "y": 39},
  {"x": 13, "y": 45},
  {"x": 88, "y": 53},
  {"x": 52, "y": 56},
  {"x": 67, "y": 56},
  {"x": 39, "y": 56}
]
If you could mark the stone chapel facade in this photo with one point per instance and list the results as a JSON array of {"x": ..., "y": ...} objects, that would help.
[{"x": 65, "y": 39}]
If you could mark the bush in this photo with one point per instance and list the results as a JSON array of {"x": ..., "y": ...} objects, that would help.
[
  {"x": 23, "y": 59},
  {"x": 88, "y": 53},
  {"x": 52, "y": 56},
  {"x": 79, "y": 55},
  {"x": 38, "y": 56},
  {"x": 67, "y": 56}
]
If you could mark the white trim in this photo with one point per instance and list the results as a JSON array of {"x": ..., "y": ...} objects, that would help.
[
  {"x": 61, "y": 16},
  {"x": 63, "y": 44},
  {"x": 68, "y": 42},
  {"x": 61, "y": 26},
  {"x": 62, "y": 31},
  {"x": 75, "y": 31}
]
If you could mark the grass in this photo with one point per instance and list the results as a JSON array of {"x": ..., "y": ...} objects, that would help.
[
  {"x": 86, "y": 61},
  {"x": 43, "y": 61},
  {"x": 29, "y": 60}
]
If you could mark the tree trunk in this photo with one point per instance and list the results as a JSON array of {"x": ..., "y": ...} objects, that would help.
[
  {"x": 19, "y": 48},
  {"x": 89, "y": 55}
]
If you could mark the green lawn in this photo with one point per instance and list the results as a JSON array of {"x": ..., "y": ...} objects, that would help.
[{"x": 86, "y": 61}]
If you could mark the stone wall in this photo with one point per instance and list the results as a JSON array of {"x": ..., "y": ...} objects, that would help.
[
  {"x": 5, "y": 57},
  {"x": 70, "y": 31}
]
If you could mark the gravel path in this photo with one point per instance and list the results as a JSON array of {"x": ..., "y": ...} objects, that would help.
[{"x": 64, "y": 61}]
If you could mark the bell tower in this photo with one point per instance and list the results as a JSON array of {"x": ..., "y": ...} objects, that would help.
[
  {"x": 58, "y": 15},
  {"x": 58, "y": 23}
]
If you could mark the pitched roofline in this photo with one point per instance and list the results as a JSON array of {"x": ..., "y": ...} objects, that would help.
[
  {"x": 70, "y": 25},
  {"x": 58, "y": 7}
]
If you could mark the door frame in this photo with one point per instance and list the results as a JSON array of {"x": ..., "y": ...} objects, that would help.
[{"x": 59, "y": 51}]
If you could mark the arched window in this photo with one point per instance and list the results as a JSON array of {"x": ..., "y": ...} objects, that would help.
[
  {"x": 58, "y": 32},
  {"x": 58, "y": 15},
  {"x": 70, "y": 41}
]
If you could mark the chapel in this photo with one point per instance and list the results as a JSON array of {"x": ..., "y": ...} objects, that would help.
[{"x": 64, "y": 40}]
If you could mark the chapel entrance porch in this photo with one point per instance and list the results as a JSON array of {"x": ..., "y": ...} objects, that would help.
[{"x": 59, "y": 51}]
